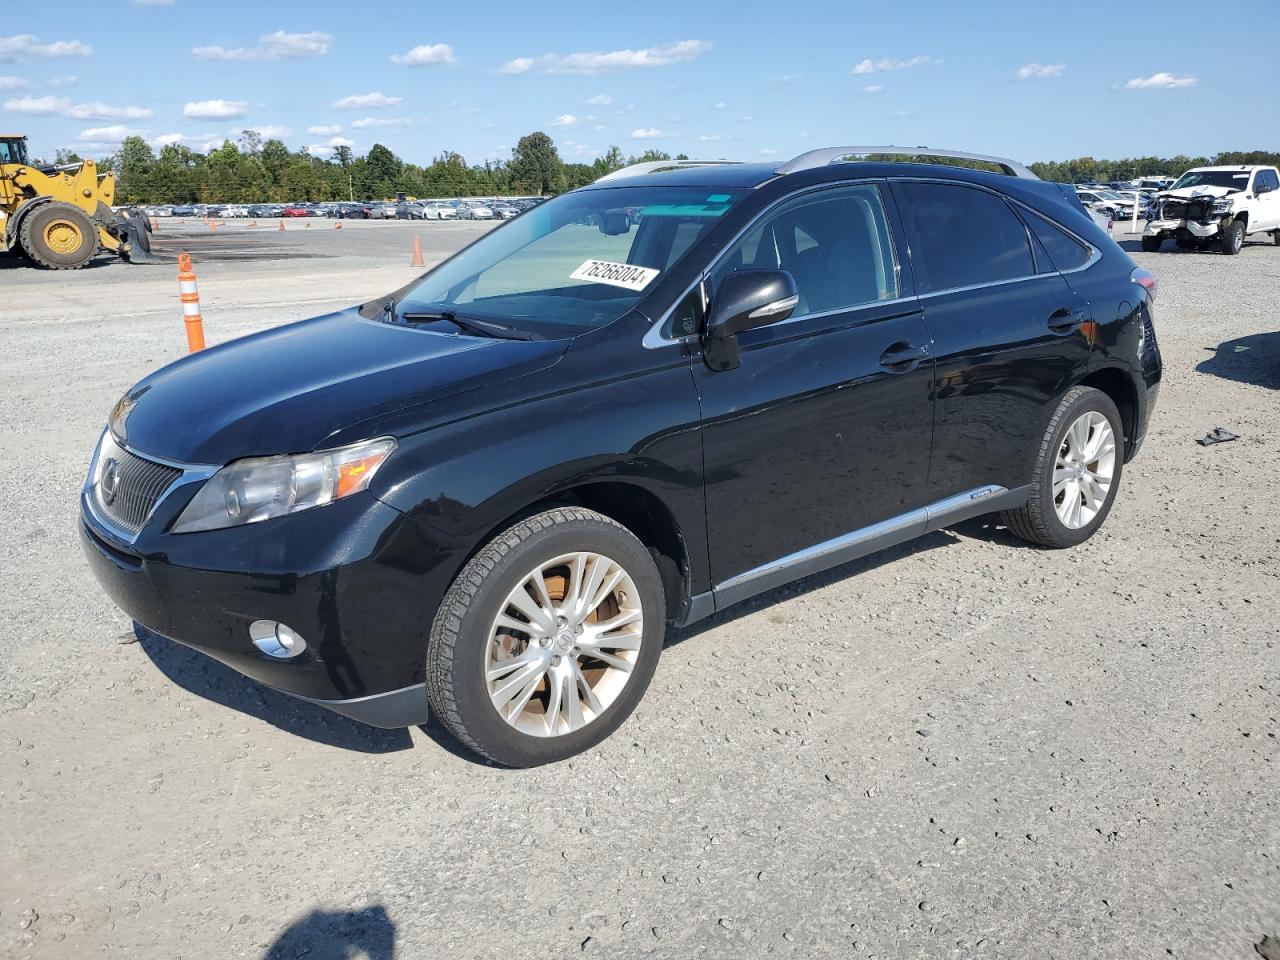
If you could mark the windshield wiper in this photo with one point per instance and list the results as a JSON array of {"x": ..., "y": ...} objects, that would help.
[{"x": 484, "y": 328}]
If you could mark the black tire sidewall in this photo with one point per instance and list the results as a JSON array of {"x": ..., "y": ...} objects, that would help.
[
  {"x": 494, "y": 736},
  {"x": 1060, "y": 534},
  {"x": 1230, "y": 245},
  {"x": 33, "y": 227}
]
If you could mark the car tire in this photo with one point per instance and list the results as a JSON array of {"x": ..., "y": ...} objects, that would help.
[
  {"x": 509, "y": 714},
  {"x": 1152, "y": 244},
  {"x": 1276, "y": 238},
  {"x": 1233, "y": 238},
  {"x": 1066, "y": 466}
]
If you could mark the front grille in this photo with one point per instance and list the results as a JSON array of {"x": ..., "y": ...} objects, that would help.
[
  {"x": 138, "y": 485},
  {"x": 1185, "y": 209}
]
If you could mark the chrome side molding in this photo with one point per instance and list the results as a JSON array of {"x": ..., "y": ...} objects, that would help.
[{"x": 850, "y": 546}]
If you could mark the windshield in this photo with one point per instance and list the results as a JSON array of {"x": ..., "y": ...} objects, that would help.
[
  {"x": 576, "y": 262},
  {"x": 1230, "y": 179}
]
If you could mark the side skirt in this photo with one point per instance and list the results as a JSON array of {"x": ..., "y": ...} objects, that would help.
[{"x": 851, "y": 546}]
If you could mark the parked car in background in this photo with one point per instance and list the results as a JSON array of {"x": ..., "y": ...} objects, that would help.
[
  {"x": 475, "y": 211},
  {"x": 294, "y": 210},
  {"x": 439, "y": 211},
  {"x": 235, "y": 210},
  {"x": 382, "y": 211},
  {"x": 486, "y": 497},
  {"x": 505, "y": 210},
  {"x": 410, "y": 210}
]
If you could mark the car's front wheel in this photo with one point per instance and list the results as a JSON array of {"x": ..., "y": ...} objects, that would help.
[
  {"x": 1077, "y": 472},
  {"x": 547, "y": 639},
  {"x": 1233, "y": 238}
]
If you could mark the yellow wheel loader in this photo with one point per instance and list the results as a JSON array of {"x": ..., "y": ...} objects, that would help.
[{"x": 60, "y": 217}]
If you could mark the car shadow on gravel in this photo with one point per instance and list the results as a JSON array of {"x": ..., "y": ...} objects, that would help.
[
  {"x": 337, "y": 935},
  {"x": 206, "y": 677},
  {"x": 1254, "y": 359}
]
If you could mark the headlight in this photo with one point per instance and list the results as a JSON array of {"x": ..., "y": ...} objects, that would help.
[
  {"x": 260, "y": 488},
  {"x": 1222, "y": 206}
]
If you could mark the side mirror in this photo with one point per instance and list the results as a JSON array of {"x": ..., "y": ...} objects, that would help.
[{"x": 746, "y": 299}]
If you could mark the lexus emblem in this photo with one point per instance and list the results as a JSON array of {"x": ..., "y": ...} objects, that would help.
[{"x": 110, "y": 479}]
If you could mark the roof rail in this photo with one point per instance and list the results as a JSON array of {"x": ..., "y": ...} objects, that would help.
[
  {"x": 829, "y": 155},
  {"x": 653, "y": 166}
]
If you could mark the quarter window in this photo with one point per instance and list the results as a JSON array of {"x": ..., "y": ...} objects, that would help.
[
  {"x": 1065, "y": 251},
  {"x": 961, "y": 236},
  {"x": 835, "y": 243}
]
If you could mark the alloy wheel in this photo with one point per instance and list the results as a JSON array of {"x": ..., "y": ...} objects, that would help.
[
  {"x": 563, "y": 644},
  {"x": 1084, "y": 470}
]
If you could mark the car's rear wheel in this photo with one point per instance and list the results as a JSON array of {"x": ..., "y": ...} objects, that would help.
[
  {"x": 1077, "y": 472},
  {"x": 1152, "y": 244},
  {"x": 547, "y": 639},
  {"x": 1233, "y": 238}
]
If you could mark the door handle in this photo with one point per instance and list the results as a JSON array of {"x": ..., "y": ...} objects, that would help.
[
  {"x": 1065, "y": 320},
  {"x": 902, "y": 356}
]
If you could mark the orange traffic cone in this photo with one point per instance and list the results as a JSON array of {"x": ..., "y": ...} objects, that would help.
[
  {"x": 338, "y": 225},
  {"x": 282, "y": 224},
  {"x": 190, "y": 304},
  {"x": 213, "y": 226},
  {"x": 307, "y": 224},
  {"x": 417, "y": 254},
  {"x": 253, "y": 223}
]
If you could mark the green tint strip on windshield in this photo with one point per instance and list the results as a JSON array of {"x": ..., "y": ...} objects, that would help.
[{"x": 682, "y": 210}]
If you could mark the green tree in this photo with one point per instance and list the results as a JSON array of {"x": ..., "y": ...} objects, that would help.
[
  {"x": 536, "y": 166},
  {"x": 133, "y": 166}
]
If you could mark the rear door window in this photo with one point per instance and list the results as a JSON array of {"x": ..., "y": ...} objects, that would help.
[{"x": 962, "y": 236}]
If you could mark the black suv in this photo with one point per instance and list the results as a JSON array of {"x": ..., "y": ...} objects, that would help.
[{"x": 629, "y": 407}]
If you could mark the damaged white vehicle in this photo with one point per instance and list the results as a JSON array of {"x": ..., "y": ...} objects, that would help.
[{"x": 1208, "y": 205}]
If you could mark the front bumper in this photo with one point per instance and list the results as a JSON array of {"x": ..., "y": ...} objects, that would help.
[
  {"x": 1156, "y": 228},
  {"x": 354, "y": 578}
]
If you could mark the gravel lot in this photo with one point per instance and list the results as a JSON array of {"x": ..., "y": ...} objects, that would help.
[{"x": 962, "y": 747}]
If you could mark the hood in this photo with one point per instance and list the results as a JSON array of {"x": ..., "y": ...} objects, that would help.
[
  {"x": 1186, "y": 193},
  {"x": 287, "y": 389}
]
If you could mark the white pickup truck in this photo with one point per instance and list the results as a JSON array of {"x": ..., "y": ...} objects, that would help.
[{"x": 1211, "y": 204}]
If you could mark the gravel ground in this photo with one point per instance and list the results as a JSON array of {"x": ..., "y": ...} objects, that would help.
[{"x": 961, "y": 747}]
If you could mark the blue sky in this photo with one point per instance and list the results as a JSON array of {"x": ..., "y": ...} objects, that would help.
[{"x": 744, "y": 80}]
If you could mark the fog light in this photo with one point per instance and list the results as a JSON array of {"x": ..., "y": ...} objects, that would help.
[{"x": 276, "y": 639}]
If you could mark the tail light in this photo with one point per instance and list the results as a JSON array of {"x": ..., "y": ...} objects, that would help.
[{"x": 1145, "y": 279}]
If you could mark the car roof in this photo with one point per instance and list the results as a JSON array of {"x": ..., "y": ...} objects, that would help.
[{"x": 1233, "y": 168}]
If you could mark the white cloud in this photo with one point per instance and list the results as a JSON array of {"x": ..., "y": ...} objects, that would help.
[
  {"x": 319, "y": 150},
  {"x": 112, "y": 134},
  {"x": 325, "y": 130},
  {"x": 14, "y": 83},
  {"x": 889, "y": 63},
  {"x": 650, "y": 133},
  {"x": 26, "y": 46},
  {"x": 49, "y": 106},
  {"x": 719, "y": 105},
  {"x": 273, "y": 46},
  {"x": 341, "y": 142},
  {"x": 768, "y": 152},
  {"x": 1040, "y": 71},
  {"x": 269, "y": 131},
  {"x": 426, "y": 55},
  {"x": 215, "y": 109},
  {"x": 709, "y": 137},
  {"x": 101, "y": 111},
  {"x": 601, "y": 61},
  {"x": 1160, "y": 81},
  {"x": 600, "y": 100},
  {"x": 564, "y": 120},
  {"x": 365, "y": 101},
  {"x": 366, "y": 122},
  {"x": 873, "y": 88},
  {"x": 167, "y": 140}
]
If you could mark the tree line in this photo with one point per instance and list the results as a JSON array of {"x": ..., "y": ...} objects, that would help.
[
  {"x": 256, "y": 170},
  {"x": 253, "y": 169}
]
